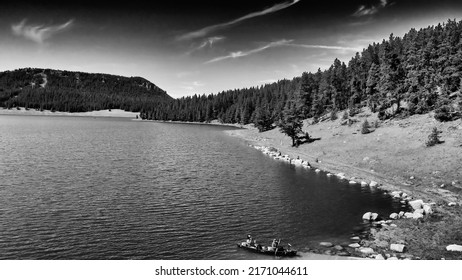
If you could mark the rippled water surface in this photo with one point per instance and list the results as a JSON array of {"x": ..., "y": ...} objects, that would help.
[{"x": 106, "y": 188}]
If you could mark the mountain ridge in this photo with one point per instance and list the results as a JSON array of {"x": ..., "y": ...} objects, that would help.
[{"x": 75, "y": 91}]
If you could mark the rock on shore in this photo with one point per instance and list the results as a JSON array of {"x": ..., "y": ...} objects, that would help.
[{"x": 454, "y": 247}]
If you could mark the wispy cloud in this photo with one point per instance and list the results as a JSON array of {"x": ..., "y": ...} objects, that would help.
[
  {"x": 371, "y": 10},
  {"x": 207, "y": 30},
  {"x": 363, "y": 11},
  {"x": 207, "y": 43},
  {"x": 249, "y": 52},
  {"x": 38, "y": 33},
  {"x": 210, "y": 41},
  {"x": 279, "y": 43},
  {"x": 339, "y": 48}
]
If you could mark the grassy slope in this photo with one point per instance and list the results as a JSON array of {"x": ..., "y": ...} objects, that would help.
[{"x": 390, "y": 155}]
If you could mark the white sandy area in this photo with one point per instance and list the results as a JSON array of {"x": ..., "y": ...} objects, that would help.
[{"x": 101, "y": 113}]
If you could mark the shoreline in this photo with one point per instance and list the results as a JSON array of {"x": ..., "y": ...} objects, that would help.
[
  {"x": 115, "y": 113},
  {"x": 344, "y": 155},
  {"x": 213, "y": 122}
]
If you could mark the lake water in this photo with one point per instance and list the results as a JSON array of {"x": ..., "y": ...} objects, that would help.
[{"x": 114, "y": 188}]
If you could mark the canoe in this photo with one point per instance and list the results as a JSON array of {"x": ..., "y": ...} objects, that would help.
[{"x": 266, "y": 250}]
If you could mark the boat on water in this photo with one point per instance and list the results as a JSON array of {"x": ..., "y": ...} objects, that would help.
[{"x": 275, "y": 249}]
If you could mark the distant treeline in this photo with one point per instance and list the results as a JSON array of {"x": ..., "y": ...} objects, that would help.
[
  {"x": 46, "y": 89},
  {"x": 415, "y": 74},
  {"x": 232, "y": 106}
]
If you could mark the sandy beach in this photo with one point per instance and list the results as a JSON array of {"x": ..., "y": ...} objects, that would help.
[{"x": 117, "y": 113}]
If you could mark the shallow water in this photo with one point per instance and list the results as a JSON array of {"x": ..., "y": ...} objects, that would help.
[{"x": 108, "y": 188}]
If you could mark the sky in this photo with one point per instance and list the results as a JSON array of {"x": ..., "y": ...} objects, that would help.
[{"x": 203, "y": 47}]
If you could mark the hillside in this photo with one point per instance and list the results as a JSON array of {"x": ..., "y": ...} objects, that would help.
[
  {"x": 391, "y": 154},
  {"x": 423, "y": 69},
  {"x": 67, "y": 91}
]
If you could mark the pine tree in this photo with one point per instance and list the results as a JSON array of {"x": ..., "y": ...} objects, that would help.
[
  {"x": 263, "y": 120},
  {"x": 365, "y": 127},
  {"x": 433, "y": 138},
  {"x": 392, "y": 72},
  {"x": 307, "y": 91},
  {"x": 372, "y": 90},
  {"x": 333, "y": 115},
  {"x": 292, "y": 122}
]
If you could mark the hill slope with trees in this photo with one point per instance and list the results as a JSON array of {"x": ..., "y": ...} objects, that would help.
[
  {"x": 67, "y": 91},
  {"x": 415, "y": 74}
]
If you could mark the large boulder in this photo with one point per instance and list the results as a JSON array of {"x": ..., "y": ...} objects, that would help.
[
  {"x": 354, "y": 245},
  {"x": 374, "y": 216},
  {"x": 427, "y": 209},
  {"x": 396, "y": 193},
  {"x": 397, "y": 247},
  {"x": 369, "y": 216},
  {"x": 409, "y": 215},
  {"x": 454, "y": 247},
  {"x": 374, "y": 184},
  {"x": 367, "y": 251},
  {"x": 394, "y": 216},
  {"x": 379, "y": 257},
  {"x": 416, "y": 204},
  {"x": 326, "y": 244},
  {"x": 297, "y": 162}
]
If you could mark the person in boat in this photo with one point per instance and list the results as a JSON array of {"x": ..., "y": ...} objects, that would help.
[
  {"x": 249, "y": 239},
  {"x": 274, "y": 243}
]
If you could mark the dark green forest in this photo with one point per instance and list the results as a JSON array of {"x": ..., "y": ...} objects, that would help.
[
  {"x": 46, "y": 89},
  {"x": 415, "y": 74}
]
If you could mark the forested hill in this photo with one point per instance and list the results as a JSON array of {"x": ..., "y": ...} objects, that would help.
[
  {"x": 415, "y": 74},
  {"x": 47, "y": 89}
]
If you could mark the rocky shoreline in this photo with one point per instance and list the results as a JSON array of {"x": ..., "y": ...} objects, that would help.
[{"x": 365, "y": 245}]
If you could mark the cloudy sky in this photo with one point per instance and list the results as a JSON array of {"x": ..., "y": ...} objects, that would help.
[{"x": 204, "y": 46}]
